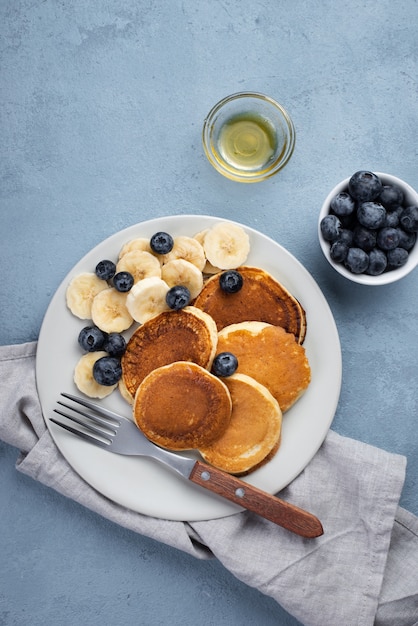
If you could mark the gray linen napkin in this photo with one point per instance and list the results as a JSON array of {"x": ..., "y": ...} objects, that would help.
[{"x": 354, "y": 489}]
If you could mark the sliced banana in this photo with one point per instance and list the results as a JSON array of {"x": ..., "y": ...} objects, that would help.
[
  {"x": 187, "y": 248},
  {"x": 209, "y": 268},
  {"x": 84, "y": 380},
  {"x": 140, "y": 243},
  {"x": 140, "y": 264},
  {"x": 146, "y": 299},
  {"x": 109, "y": 311},
  {"x": 81, "y": 292},
  {"x": 124, "y": 392},
  {"x": 182, "y": 272},
  {"x": 226, "y": 245}
]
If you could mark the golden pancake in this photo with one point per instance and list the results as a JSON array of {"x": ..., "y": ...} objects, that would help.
[
  {"x": 185, "y": 335},
  {"x": 270, "y": 355},
  {"x": 182, "y": 406},
  {"x": 262, "y": 298},
  {"x": 253, "y": 432}
]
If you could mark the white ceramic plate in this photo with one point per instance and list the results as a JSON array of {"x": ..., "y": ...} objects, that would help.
[{"x": 142, "y": 484}]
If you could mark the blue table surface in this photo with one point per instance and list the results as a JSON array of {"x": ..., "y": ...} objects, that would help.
[{"x": 102, "y": 106}]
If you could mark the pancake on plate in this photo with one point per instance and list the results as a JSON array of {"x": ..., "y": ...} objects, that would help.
[
  {"x": 185, "y": 335},
  {"x": 270, "y": 355},
  {"x": 262, "y": 298},
  {"x": 253, "y": 432},
  {"x": 182, "y": 406}
]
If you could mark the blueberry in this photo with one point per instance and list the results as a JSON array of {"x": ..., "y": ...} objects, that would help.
[
  {"x": 330, "y": 227},
  {"x": 178, "y": 297},
  {"x": 392, "y": 219},
  {"x": 377, "y": 262},
  {"x": 357, "y": 260},
  {"x": 364, "y": 238},
  {"x": 406, "y": 240},
  {"x": 409, "y": 219},
  {"x": 371, "y": 214},
  {"x": 224, "y": 364},
  {"x": 161, "y": 243},
  {"x": 231, "y": 281},
  {"x": 391, "y": 196},
  {"x": 397, "y": 257},
  {"x": 123, "y": 281},
  {"x": 115, "y": 344},
  {"x": 338, "y": 251},
  {"x": 342, "y": 204},
  {"x": 105, "y": 270},
  {"x": 346, "y": 236},
  {"x": 107, "y": 371},
  {"x": 388, "y": 238},
  {"x": 91, "y": 338},
  {"x": 364, "y": 186}
]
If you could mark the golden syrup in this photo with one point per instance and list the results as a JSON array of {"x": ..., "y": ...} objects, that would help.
[{"x": 247, "y": 142}]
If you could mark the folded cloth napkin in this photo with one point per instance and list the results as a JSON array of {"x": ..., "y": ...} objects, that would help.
[{"x": 362, "y": 571}]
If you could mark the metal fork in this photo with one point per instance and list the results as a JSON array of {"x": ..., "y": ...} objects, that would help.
[{"x": 115, "y": 433}]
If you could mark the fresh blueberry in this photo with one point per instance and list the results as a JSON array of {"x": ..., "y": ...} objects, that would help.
[
  {"x": 409, "y": 219},
  {"x": 346, "y": 236},
  {"x": 392, "y": 219},
  {"x": 231, "y": 281},
  {"x": 224, "y": 364},
  {"x": 91, "y": 338},
  {"x": 388, "y": 238},
  {"x": 397, "y": 257},
  {"x": 115, "y": 344},
  {"x": 178, "y": 297},
  {"x": 123, "y": 281},
  {"x": 364, "y": 186},
  {"x": 391, "y": 196},
  {"x": 364, "y": 238},
  {"x": 105, "y": 270},
  {"x": 377, "y": 262},
  {"x": 406, "y": 240},
  {"x": 338, "y": 251},
  {"x": 357, "y": 260},
  {"x": 107, "y": 371},
  {"x": 371, "y": 214},
  {"x": 161, "y": 243},
  {"x": 330, "y": 227},
  {"x": 342, "y": 204}
]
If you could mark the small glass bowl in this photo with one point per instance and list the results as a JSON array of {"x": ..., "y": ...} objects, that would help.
[
  {"x": 391, "y": 276},
  {"x": 248, "y": 137}
]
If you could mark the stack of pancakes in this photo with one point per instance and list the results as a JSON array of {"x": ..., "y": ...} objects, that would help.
[{"x": 234, "y": 422}]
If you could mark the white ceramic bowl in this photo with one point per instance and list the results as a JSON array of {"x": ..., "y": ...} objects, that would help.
[{"x": 411, "y": 198}]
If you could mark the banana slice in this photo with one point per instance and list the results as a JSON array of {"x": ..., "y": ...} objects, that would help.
[
  {"x": 182, "y": 272},
  {"x": 226, "y": 245},
  {"x": 209, "y": 268},
  {"x": 140, "y": 264},
  {"x": 146, "y": 299},
  {"x": 84, "y": 380},
  {"x": 140, "y": 243},
  {"x": 109, "y": 311},
  {"x": 81, "y": 292},
  {"x": 187, "y": 248}
]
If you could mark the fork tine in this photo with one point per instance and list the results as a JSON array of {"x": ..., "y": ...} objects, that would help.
[
  {"x": 106, "y": 423},
  {"x": 81, "y": 434},
  {"x": 106, "y": 434},
  {"x": 95, "y": 407}
]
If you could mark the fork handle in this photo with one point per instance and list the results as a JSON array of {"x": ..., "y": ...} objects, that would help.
[{"x": 264, "y": 504}]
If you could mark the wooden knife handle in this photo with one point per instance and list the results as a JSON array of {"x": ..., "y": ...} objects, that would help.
[{"x": 264, "y": 504}]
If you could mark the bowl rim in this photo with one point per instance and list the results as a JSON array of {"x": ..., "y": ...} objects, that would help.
[
  {"x": 364, "y": 279},
  {"x": 234, "y": 174}
]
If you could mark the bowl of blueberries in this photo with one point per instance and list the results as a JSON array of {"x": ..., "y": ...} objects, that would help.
[{"x": 368, "y": 227}]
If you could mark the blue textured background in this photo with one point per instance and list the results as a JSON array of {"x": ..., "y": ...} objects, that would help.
[{"x": 102, "y": 105}]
